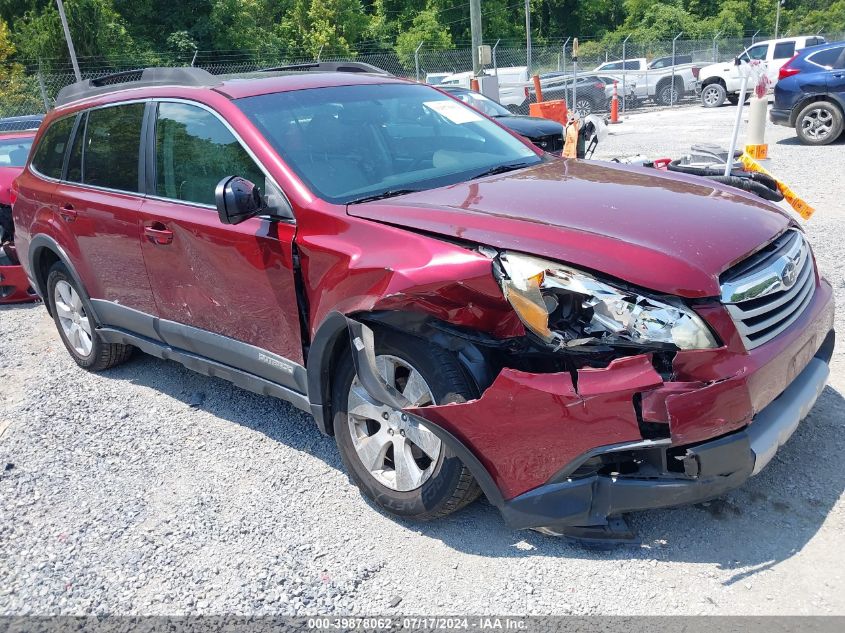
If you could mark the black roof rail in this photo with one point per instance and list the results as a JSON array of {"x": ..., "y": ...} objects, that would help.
[
  {"x": 138, "y": 78},
  {"x": 337, "y": 67}
]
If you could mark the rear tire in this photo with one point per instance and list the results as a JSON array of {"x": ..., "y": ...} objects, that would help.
[
  {"x": 446, "y": 484},
  {"x": 667, "y": 95},
  {"x": 713, "y": 95},
  {"x": 819, "y": 123},
  {"x": 72, "y": 316}
]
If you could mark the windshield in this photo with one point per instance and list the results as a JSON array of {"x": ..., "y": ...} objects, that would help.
[
  {"x": 482, "y": 103},
  {"x": 13, "y": 152},
  {"x": 348, "y": 143}
]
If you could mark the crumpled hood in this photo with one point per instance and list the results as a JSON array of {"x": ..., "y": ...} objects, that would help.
[{"x": 664, "y": 231}]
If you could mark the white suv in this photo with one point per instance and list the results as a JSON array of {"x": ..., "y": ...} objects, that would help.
[{"x": 721, "y": 81}]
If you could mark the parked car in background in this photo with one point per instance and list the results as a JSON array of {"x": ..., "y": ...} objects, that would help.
[
  {"x": 513, "y": 82},
  {"x": 810, "y": 94},
  {"x": 434, "y": 79},
  {"x": 461, "y": 311},
  {"x": 545, "y": 134},
  {"x": 20, "y": 123},
  {"x": 662, "y": 83},
  {"x": 592, "y": 92},
  {"x": 14, "y": 150},
  {"x": 722, "y": 81}
]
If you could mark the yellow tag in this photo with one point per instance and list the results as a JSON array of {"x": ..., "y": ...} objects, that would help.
[{"x": 801, "y": 208}]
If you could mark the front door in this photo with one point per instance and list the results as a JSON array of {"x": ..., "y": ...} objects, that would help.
[{"x": 225, "y": 292}]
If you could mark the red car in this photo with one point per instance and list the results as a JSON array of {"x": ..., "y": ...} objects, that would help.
[
  {"x": 14, "y": 148},
  {"x": 463, "y": 312}
]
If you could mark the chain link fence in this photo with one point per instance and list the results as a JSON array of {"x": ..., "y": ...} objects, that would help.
[{"x": 31, "y": 89}]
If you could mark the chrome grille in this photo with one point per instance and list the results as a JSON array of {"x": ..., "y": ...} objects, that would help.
[{"x": 767, "y": 292}]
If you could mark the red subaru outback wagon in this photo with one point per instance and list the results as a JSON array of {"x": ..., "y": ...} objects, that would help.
[{"x": 462, "y": 312}]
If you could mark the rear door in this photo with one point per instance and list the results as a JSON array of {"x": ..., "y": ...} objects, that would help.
[
  {"x": 99, "y": 201},
  {"x": 225, "y": 292},
  {"x": 836, "y": 76}
]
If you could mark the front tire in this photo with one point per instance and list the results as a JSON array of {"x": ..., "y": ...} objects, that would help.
[
  {"x": 713, "y": 95},
  {"x": 397, "y": 463},
  {"x": 819, "y": 123},
  {"x": 72, "y": 316}
]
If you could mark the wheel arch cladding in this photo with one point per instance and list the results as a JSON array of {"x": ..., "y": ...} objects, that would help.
[{"x": 44, "y": 253}]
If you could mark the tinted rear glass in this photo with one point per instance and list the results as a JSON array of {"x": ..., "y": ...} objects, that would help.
[
  {"x": 13, "y": 152},
  {"x": 50, "y": 154},
  {"x": 784, "y": 50},
  {"x": 111, "y": 147}
]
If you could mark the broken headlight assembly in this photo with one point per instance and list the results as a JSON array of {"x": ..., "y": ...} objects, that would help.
[{"x": 568, "y": 308}]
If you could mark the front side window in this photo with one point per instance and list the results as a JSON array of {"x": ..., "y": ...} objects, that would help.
[
  {"x": 13, "y": 151},
  {"x": 111, "y": 147},
  {"x": 194, "y": 152},
  {"x": 784, "y": 50},
  {"x": 756, "y": 52},
  {"x": 348, "y": 143},
  {"x": 50, "y": 153}
]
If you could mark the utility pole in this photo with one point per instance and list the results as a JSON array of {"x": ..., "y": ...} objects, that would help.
[
  {"x": 777, "y": 18},
  {"x": 475, "y": 27},
  {"x": 528, "y": 35},
  {"x": 70, "y": 48}
]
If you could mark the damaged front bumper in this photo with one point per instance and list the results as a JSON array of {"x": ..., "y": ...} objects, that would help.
[
  {"x": 676, "y": 475},
  {"x": 14, "y": 285},
  {"x": 574, "y": 449}
]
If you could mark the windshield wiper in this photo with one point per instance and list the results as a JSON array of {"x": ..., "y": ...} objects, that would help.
[
  {"x": 500, "y": 169},
  {"x": 390, "y": 193}
]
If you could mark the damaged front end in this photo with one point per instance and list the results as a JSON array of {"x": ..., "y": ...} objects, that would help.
[
  {"x": 602, "y": 407},
  {"x": 14, "y": 284}
]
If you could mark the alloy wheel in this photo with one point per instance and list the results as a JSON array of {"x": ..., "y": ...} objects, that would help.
[
  {"x": 72, "y": 317},
  {"x": 583, "y": 107},
  {"x": 668, "y": 95},
  {"x": 711, "y": 95},
  {"x": 398, "y": 452},
  {"x": 817, "y": 124}
]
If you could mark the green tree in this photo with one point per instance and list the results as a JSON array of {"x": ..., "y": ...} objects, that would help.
[
  {"x": 18, "y": 92},
  {"x": 425, "y": 28},
  {"x": 99, "y": 33}
]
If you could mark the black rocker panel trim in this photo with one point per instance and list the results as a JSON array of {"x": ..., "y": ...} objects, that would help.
[{"x": 204, "y": 344}]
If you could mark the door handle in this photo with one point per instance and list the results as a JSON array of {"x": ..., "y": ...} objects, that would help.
[
  {"x": 157, "y": 233},
  {"x": 67, "y": 212}
]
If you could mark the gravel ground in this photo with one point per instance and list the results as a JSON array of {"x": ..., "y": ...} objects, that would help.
[{"x": 149, "y": 489}]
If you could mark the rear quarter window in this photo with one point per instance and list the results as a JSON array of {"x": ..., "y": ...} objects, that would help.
[
  {"x": 50, "y": 154},
  {"x": 830, "y": 58},
  {"x": 784, "y": 50}
]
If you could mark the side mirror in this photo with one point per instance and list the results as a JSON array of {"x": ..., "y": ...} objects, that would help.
[{"x": 237, "y": 200}]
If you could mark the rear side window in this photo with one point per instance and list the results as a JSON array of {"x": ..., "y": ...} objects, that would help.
[
  {"x": 50, "y": 154},
  {"x": 111, "y": 146},
  {"x": 830, "y": 58},
  {"x": 784, "y": 50},
  {"x": 195, "y": 151},
  {"x": 13, "y": 152}
]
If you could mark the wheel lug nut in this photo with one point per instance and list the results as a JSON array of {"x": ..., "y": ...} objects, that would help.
[
  {"x": 390, "y": 431},
  {"x": 385, "y": 415},
  {"x": 404, "y": 418},
  {"x": 402, "y": 433}
]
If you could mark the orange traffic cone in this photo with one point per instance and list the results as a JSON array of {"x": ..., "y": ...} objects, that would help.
[{"x": 614, "y": 106}]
